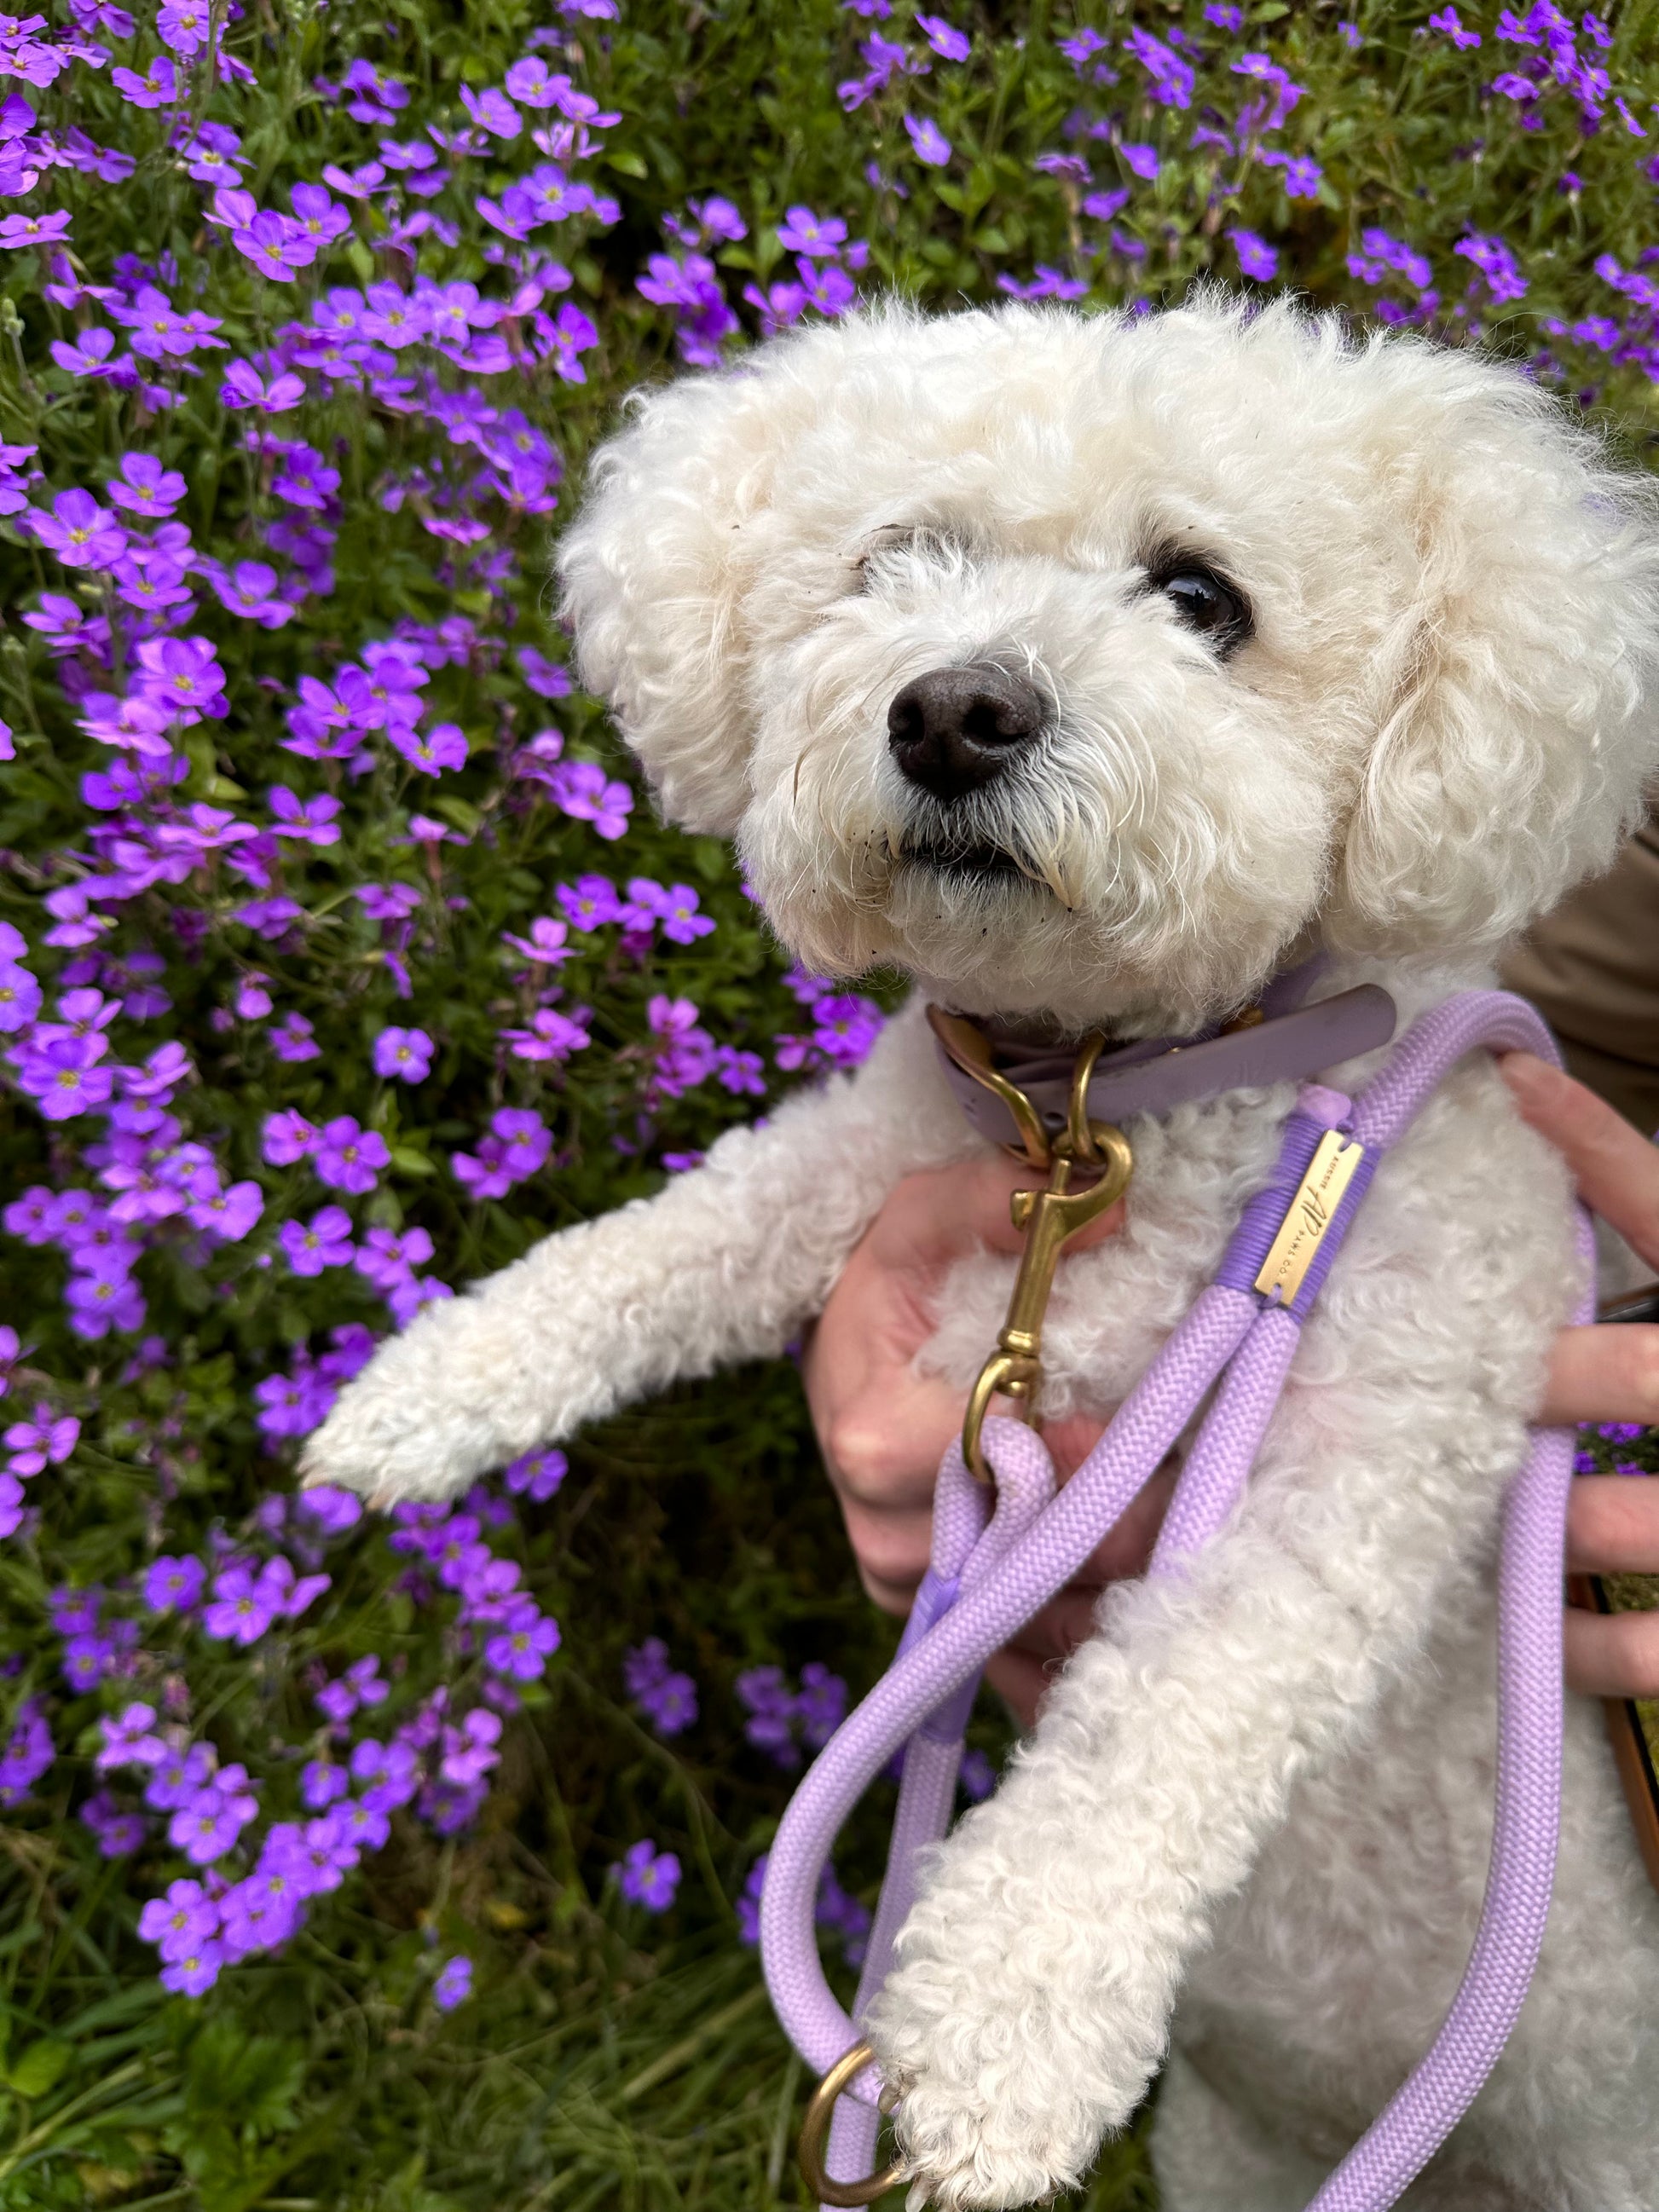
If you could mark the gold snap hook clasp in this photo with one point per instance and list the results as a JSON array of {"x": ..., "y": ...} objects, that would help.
[
  {"x": 815, "y": 2131},
  {"x": 1049, "y": 1219}
]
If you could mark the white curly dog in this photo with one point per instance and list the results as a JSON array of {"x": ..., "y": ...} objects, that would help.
[{"x": 1221, "y": 638}]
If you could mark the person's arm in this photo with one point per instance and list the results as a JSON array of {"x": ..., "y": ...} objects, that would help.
[{"x": 1609, "y": 1373}]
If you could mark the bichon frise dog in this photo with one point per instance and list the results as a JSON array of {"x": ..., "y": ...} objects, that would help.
[{"x": 1094, "y": 669}]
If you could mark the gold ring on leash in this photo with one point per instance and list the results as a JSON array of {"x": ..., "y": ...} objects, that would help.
[{"x": 815, "y": 2129}]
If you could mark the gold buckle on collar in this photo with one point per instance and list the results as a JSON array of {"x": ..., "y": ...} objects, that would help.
[{"x": 1050, "y": 1218}]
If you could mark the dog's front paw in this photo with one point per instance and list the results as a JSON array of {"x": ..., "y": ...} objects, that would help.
[
  {"x": 999, "y": 2102},
  {"x": 1023, "y": 2020},
  {"x": 435, "y": 1407}
]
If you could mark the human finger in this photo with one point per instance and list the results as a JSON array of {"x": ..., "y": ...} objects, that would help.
[
  {"x": 1613, "y": 1525},
  {"x": 1609, "y": 1373},
  {"x": 883, "y": 1447},
  {"x": 936, "y": 1217},
  {"x": 1613, "y": 1655},
  {"x": 1616, "y": 1168},
  {"x": 1020, "y": 1682},
  {"x": 891, "y": 1553}
]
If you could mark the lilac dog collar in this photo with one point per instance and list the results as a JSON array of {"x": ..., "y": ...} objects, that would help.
[{"x": 1156, "y": 1073}]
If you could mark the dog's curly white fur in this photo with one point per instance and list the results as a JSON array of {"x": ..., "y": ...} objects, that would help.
[{"x": 1257, "y": 1802}]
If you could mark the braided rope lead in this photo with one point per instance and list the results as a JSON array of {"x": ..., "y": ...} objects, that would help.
[{"x": 983, "y": 1587}]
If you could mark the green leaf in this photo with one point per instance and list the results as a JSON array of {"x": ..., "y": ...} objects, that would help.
[{"x": 39, "y": 2067}]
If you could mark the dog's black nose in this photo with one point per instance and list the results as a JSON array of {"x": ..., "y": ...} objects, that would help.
[{"x": 954, "y": 729}]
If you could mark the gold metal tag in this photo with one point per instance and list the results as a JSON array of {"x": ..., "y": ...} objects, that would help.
[{"x": 1303, "y": 1231}]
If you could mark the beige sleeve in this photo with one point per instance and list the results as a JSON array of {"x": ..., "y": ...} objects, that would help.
[{"x": 1592, "y": 969}]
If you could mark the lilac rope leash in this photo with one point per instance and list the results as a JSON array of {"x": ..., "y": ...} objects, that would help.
[{"x": 968, "y": 1607}]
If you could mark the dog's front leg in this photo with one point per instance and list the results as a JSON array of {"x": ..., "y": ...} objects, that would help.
[
  {"x": 727, "y": 1263},
  {"x": 1037, "y": 1974}
]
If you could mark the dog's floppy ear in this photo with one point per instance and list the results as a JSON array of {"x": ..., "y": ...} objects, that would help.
[
  {"x": 1521, "y": 721},
  {"x": 655, "y": 570}
]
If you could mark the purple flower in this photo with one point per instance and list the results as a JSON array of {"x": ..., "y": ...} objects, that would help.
[
  {"x": 454, "y": 1983},
  {"x": 815, "y": 236},
  {"x": 591, "y": 902},
  {"x": 928, "y": 142},
  {"x": 193, "y": 1971},
  {"x": 749, "y": 1903},
  {"x": 159, "y": 86},
  {"x": 251, "y": 590},
  {"x": 243, "y": 1606},
  {"x": 1255, "y": 257},
  {"x": 28, "y": 1752},
  {"x": 667, "y": 1699},
  {"x": 41, "y": 1442},
  {"x": 289, "y": 1137},
  {"x": 183, "y": 674},
  {"x": 347, "y": 1156},
  {"x": 821, "y": 1706},
  {"x": 1448, "y": 21},
  {"x": 523, "y": 1644},
  {"x": 537, "y": 1475},
  {"x": 83, "y": 534},
  {"x": 35, "y": 229},
  {"x": 387, "y": 901},
  {"x": 389, "y": 1260},
  {"x": 178, "y": 1774},
  {"x": 174, "y": 1584},
  {"x": 322, "y": 1782},
  {"x": 493, "y": 112},
  {"x": 648, "y": 1877},
  {"x": 292, "y": 1405},
  {"x": 771, "y": 1713},
  {"x": 325, "y": 1242},
  {"x": 545, "y": 677},
  {"x": 406, "y": 1054},
  {"x": 275, "y": 246},
  {"x": 245, "y": 388},
  {"x": 1172, "y": 84},
  {"x": 88, "y": 356},
  {"x": 432, "y": 750},
  {"x": 582, "y": 790},
  {"x": 545, "y": 944},
  {"x": 1495, "y": 264},
  {"x": 332, "y": 1510},
  {"x": 207, "y": 1825},
  {"x": 20, "y": 993},
  {"x": 181, "y": 1921},
  {"x": 129, "y": 1740},
  {"x": 550, "y": 1036},
  {"x": 311, "y": 820}
]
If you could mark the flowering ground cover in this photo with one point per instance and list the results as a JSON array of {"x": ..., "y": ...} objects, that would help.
[{"x": 412, "y": 1863}]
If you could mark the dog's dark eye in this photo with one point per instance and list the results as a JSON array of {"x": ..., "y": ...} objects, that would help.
[{"x": 1214, "y": 608}]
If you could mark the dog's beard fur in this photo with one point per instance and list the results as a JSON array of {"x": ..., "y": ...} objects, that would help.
[{"x": 1161, "y": 842}]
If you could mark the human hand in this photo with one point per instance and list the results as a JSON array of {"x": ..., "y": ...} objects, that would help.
[
  {"x": 1609, "y": 1373},
  {"x": 883, "y": 1428}
]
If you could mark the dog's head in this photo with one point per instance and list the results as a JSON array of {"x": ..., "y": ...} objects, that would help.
[{"x": 1087, "y": 665}]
